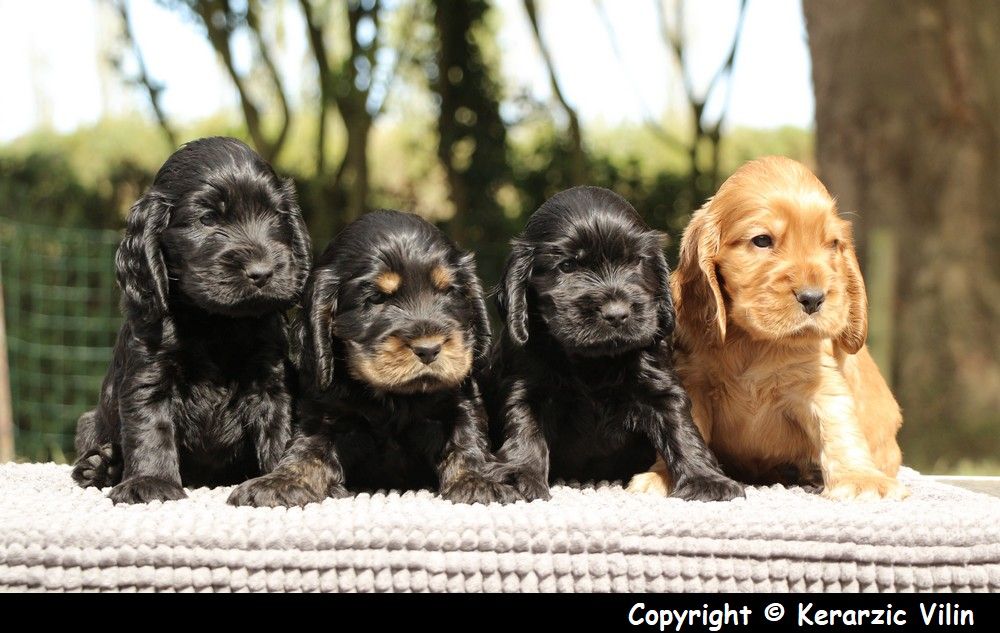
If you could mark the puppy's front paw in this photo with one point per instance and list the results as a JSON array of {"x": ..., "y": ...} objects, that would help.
[
  {"x": 146, "y": 490},
  {"x": 708, "y": 488},
  {"x": 476, "y": 489},
  {"x": 810, "y": 479},
  {"x": 97, "y": 468},
  {"x": 864, "y": 486},
  {"x": 531, "y": 488},
  {"x": 280, "y": 490},
  {"x": 654, "y": 482}
]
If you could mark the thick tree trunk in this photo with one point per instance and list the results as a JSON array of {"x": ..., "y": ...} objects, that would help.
[
  {"x": 473, "y": 139},
  {"x": 907, "y": 96}
]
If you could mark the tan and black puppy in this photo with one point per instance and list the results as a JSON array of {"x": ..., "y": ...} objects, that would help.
[
  {"x": 396, "y": 324},
  {"x": 771, "y": 325}
]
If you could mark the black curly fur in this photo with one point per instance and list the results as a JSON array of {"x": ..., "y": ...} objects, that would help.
[
  {"x": 581, "y": 381},
  {"x": 199, "y": 391}
]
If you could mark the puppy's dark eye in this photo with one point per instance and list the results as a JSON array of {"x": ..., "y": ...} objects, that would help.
[
  {"x": 763, "y": 241},
  {"x": 568, "y": 265},
  {"x": 210, "y": 218},
  {"x": 375, "y": 299},
  {"x": 835, "y": 244}
]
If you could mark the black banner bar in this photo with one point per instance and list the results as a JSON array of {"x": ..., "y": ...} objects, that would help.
[{"x": 647, "y": 613}]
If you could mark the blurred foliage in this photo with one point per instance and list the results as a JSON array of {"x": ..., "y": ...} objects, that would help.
[
  {"x": 43, "y": 187},
  {"x": 966, "y": 467},
  {"x": 90, "y": 177}
]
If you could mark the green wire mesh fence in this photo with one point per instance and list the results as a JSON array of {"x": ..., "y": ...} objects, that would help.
[{"x": 61, "y": 304}]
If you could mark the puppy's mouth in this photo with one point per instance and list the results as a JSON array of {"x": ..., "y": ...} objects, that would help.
[
  {"x": 791, "y": 324},
  {"x": 591, "y": 337},
  {"x": 233, "y": 298},
  {"x": 422, "y": 365}
]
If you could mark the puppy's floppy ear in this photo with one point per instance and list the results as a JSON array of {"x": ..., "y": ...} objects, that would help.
[
  {"x": 664, "y": 302},
  {"x": 321, "y": 308},
  {"x": 301, "y": 244},
  {"x": 512, "y": 292},
  {"x": 473, "y": 290},
  {"x": 700, "y": 308},
  {"x": 139, "y": 265},
  {"x": 852, "y": 338}
]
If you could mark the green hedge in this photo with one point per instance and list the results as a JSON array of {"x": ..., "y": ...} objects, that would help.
[{"x": 61, "y": 305}]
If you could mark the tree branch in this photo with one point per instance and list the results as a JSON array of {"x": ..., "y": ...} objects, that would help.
[
  {"x": 576, "y": 138},
  {"x": 314, "y": 30},
  {"x": 713, "y": 131},
  {"x": 674, "y": 39},
  {"x": 153, "y": 88},
  {"x": 404, "y": 56},
  {"x": 659, "y": 131},
  {"x": 218, "y": 36},
  {"x": 253, "y": 22},
  {"x": 726, "y": 70},
  {"x": 351, "y": 100}
]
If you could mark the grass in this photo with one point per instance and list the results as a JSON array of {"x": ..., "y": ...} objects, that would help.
[{"x": 966, "y": 468}]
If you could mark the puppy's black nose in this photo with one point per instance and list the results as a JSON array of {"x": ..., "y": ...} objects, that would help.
[
  {"x": 259, "y": 273},
  {"x": 811, "y": 299},
  {"x": 615, "y": 313},
  {"x": 426, "y": 352}
]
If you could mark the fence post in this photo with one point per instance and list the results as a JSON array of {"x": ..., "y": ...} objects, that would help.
[{"x": 6, "y": 411}]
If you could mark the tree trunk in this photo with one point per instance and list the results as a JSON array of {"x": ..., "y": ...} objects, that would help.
[
  {"x": 353, "y": 174},
  {"x": 907, "y": 95},
  {"x": 6, "y": 410},
  {"x": 473, "y": 139}
]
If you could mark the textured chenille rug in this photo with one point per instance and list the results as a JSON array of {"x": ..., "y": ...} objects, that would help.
[{"x": 56, "y": 536}]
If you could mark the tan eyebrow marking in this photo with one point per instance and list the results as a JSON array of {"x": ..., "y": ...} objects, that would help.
[
  {"x": 388, "y": 282},
  {"x": 441, "y": 277}
]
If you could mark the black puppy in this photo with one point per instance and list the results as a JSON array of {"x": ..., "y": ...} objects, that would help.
[
  {"x": 582, "y": 385},
  {"x": 198, "y": 388},
  {"x": 396, "y": 325}
]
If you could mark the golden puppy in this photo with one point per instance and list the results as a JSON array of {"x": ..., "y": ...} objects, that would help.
[{"x": 771, "y": 326}]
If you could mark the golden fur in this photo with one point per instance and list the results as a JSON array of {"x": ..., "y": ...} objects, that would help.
[
  {"x": 388, "y": 282},
  {"x": 773, "y": 386},
  {"x": 394, "y": 366},
  {"x": 441, "y": 277}
]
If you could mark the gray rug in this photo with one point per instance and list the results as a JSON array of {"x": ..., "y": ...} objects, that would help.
[{"x": 56, "y": 536}]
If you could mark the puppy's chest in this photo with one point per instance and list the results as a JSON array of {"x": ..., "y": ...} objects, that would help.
[
  {"x": 409, "y": 428},
  {"x": 761, "y": 413},
  {"x": 219, "y": 403},
  {"x": 377, "y": 446},
  {"x": 598, "y": 418},
  {"x": 594, "y": 436},
  {"x": 393, "y": 420}
]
